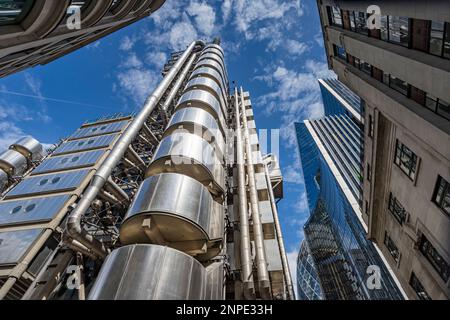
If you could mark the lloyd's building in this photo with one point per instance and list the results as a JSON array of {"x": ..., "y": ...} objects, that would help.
[{"x": 174, "y": 202}]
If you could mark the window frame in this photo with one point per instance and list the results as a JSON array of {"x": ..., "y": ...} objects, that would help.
[
  {"x": 446, "y": 189},
  {"x": 401, "y": 146},
  {"x": 431, "y": 254},
  {"x": 25, "y": 10},
  {"x": 392, "y": 248},
  {"x": 396, "y": 208},
  {"x": 417, "y": 286}
]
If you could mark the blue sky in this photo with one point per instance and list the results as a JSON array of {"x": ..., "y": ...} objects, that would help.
[{"x": 273, "y": 48}]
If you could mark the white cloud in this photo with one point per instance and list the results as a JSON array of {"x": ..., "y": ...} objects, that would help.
[
  {"x": 137, "y": 83},
  {"x": 295, "y": 47},
  {"x": 126, "y": 44},
  {"x": 204, "y": 16},
  {"x": 9, "y": 133}
]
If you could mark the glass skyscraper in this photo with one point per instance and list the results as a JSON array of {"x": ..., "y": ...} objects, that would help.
[{"x": 347, "y": 265}]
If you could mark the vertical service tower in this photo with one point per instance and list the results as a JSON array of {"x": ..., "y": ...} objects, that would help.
[{"x": 175, "y": 202}]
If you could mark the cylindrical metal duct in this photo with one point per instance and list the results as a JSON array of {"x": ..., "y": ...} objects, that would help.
[
  {"x": 246, "y": 257},
  {"x": 261, "y": 264},
  {"x": 150, "y": 272},
  {"x": 178, "y": 211},
  {"x": 13, "y": 162},
  {"x": 29, "y": 147}
]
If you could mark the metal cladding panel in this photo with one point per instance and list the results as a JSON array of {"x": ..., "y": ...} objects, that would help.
[
  {"x": 13, "y": 162},
  {"x": 210, "y": 73},
  {"x": 85, "y": 144},
  {"x": 207, "y": 84},
  {"x": 216, "y": 66},
  {"x": 213, "y": 45},
  {"x": 215, "y": 281},
  {"x": 201, "y": 120},
  {"x": 31, "y": 210},
  {"x": 197, "y": 97},
  {"x": 3, "y": 180},
  {"x": 196, "y": 213},
  {"x": 265, "y": 209},
  {"x": 50, "y": 183},
  {"x": 218, "y": 55},
  {"x": 14, "y": 244},
  {"x": 29, "y": 146},
  {"x": 273, "y": 255},
  {"x": 191, "y": 155},
  {"x": 215, "y": 57},
  {"x": 95, "y": 130},
  {"x": 70, "y": 161},
  {"x": 149, "y": 272}
]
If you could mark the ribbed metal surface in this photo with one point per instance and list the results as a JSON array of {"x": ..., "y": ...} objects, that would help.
[
  {"x": 191, "y": 155},
  {"x": 13, "y": 162},
  {"x": 31, "y": 210},
  {"x": 215, "y": 57},
  {"x": 70, "y": 161},
  {"x": 29, "y": 147},
  {"x": 199, "y": 122},
  {"x": 215, "y": 282},
  {"x": 149, "y": 272},
  {"x": 214, "y": 51},
  {"x": 95, "y": 130},
  {"x": 216, "y": 66},
  {"x": 50, "y": 183},
  {"x": 192, "y": 215},
  {"x": 209, "y": 85},
  {"x": 210, "y": 73},
  {"x": 202, "y": 99},
  {"x": 14, "y": 244},
  {"x": 85, "y": 144},
  {"x": 3, "y": 180}
]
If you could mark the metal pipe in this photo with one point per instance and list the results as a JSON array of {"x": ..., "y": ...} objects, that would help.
[
  {"x": 246, "y": 259},
  {"x": 276, "y": 221},
  {"x": 177, "y": 86},
  {"x": 116, "y": 191},
  {"x": 147, "y": 132},
  {"x": 134, "y": 157},
  {"x": 261, "y": 264},
  {"x": 74, "y": 228}
]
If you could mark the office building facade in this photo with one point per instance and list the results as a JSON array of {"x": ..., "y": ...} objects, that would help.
[
  {"x": 155, "y": 205},
  {"x": 401, "y": 70},
  {"x": 331, "y": 153},
  {"x": 34, "y": 32}
]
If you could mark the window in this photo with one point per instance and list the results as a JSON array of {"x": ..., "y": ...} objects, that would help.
[
  {"x": 436, "y": 260},
  {"x": 396, "y": 208},
  {"x": 14, "y": 11},
  {"x": 336, "y": 18},
  {"x": 30, "y": 207},
  {"x": 392, "y": 248},
  {"x": 369, "y": 173},
  {"x": 43, "y": 181},
  {"x": 56, "y": 180},
  {"x": 436, "y": 38},
  {"x": 398, "y": 30},
  {"x": 418, "y": 288},
  {"x": 340, "y": 52},
  {"x": 406, "y": 160},
  {"x": 365, "y": 67},
  {"x": 384, "y": 28},
  {"x": 366, "y": 211},
  {"x": 16, "y": 209},
  {"x": 75, "y": 159},
  {"x": 370, "y": 129},
  {"x": 441, "y": 195},
  {"x": 447, "y": 40},
  {"x": 398, "y": 85},
  {"x": 437, "y": 105},
  {"x": 361, "y": 22}
]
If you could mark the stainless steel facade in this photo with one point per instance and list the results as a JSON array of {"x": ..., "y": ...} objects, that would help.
[
  {"x": 34, "y": 32},
  {"x": 153, "y": 200}
]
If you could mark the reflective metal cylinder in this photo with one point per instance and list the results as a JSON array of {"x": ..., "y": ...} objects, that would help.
[
  {"x": 29, "y": 147},
  {"x": 149, "y": 272},
  {"x": 13, "y": 162}
]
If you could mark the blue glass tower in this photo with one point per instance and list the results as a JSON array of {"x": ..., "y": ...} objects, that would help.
[{"x": 331, "y": 154}]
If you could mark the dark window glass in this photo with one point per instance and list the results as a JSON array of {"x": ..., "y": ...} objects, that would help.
[
  {"x": 75, "y": 159},
  {"x": 418, "y": 288},
  {"x": 336, "y": 17},
  {"x": 371, "y": 124},
  {"x": 406, "y": 160},
  {"x": 56, "y": 180},
  {"x": 340, "y": 52},
  {"x": 361, "y": 23},
  {"x": 436, "y": 260},
  {"x": 447, "y": 40},
  {"x": 30, "y": 207},
  {"x": 398, "y": 30},
  {"x": 386, "y": 78},
  {"x": 398, "y": 85},
  {"x": 436, "y": 37},
  {"x": 43, "y": 181},
  {"x": 396, "y": 208},
  {"x": 352, "y": 20},
  {"x": 384, "y": 28},
  {"x": 366, "y": 207},
  {"x": 16, "y": 209},
  {"x": 369, "y": 173},
  {"x": 443, "y": 109},
  {"x": 442, "y": 194},
  {"x": 390, "y": 245},
  {"x": 366, "y": 67},
  {"x": 357, "y": 63},
  {"x": 13, "y": 11},
  {"x": 431, "y": 102}
]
